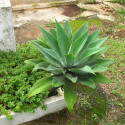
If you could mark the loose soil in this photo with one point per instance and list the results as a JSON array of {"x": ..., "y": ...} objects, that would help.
[
  {"x": 71, "y": 11},
  {"x": 30, "y": 30}
]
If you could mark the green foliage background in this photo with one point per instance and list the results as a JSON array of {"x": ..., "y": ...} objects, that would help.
[{"x": 16, "y": 78}]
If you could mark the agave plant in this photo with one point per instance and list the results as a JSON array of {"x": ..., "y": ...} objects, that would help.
[{"x": 71, "y": 59}]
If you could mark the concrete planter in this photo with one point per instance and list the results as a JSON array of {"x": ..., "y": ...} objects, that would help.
[
  {"x": 54, "y": 104},
  {"x": 7, "y": 37}
]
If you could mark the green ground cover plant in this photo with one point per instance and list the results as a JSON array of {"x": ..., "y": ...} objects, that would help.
[
  {"x": 71, "y": 58},
  {"x": 16, "y": 79},
  {"x": 121, "y": 14}
]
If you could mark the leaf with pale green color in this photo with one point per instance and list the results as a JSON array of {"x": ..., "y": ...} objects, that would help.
[
  {"x": 40, "y": 43},
  {"x": 68, "y": 29},
  {"x": 89, "y": 60},
  {"x": 98, "y": 43},
  {"x": 87, "y": 53},
  {"x": 46, "y": 55},
  {"x": 63, "y": 39},
  {"x": 92, "y": 36},
  {"x": 51, "y": 40},
  {"x": 56, "y": 84},
  {"x": 80, "y": 31},
  {"x": 79, "y": 43},
  {"x": 99, "y": 68},
  {"x": 54, "y": 55},
  {"x": 69, "y": 59},
  {"x": 33, "y": 62},
  {"x": 55, "y": 70},
  {"x": 84, "y": 69},
  {"x": 53, "y": 32},
  {"x": 88, "y": 82},
  {"x": 41, "y": 65},
  {"x": 70, "y": 95},
  {"x": 39, "y": 38},
  {"x": 99, "y": 78},
  {"x": 41, "y": 86},
  {"x": 60, "y": 79},
  {"x": 102, "y": 61},
  {"x": 71, "y": 77}
]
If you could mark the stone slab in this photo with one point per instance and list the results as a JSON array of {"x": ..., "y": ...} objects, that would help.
[
  {"x": 93, "y": 7},
  {"x": 20, "y": 2},
  {"x": 7, "y": 37},
  {"x": 115, "y": 6},
  {"x": 88, "y": 14},
  {"x": 48, "y": 15},
  {"x": 105, "y": 17},
  {"x": 43, "y": 5}
]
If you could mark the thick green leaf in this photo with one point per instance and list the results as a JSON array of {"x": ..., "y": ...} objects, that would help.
[
  {"x": 71, "y": 78},
  {"x": 54, "y": 55},
  {"x": 99, "y": 78},
  {"x": 55, "y": 71},
  {"x": 88, "y": 82},
  {"x": 96, "y": 55},
  {"x": 39, "y": 38},
  {"x": 80, "y": 31},
  {"x": 49, "y": 57},
  {"x": 99, "y": 68},
  {"x": 55, "y": 83},
  {"x": 70, "y": 95},
  {"x": 40, "y": 43},
  {"x": 97, "y": 43},
  {"x": 53, "y": 32},
  {"x": 88, "y": 53},
  {"x": 79, "y": 43},
  {"x": 41, "y": 86},
  {"x": 102, "y": 61},
  {"x": 87, "y": 69},
  {"x": 33, "y": 62},
  {"x": 69, "y": 59},
  {"x": 84, "y": 69},
  {"x": 68, "y": 29},
  {"x": 63, "y": 39},
  {"x": 91, "y": 58},
  {"x": 60, "y": 79},
  {"x": 41, "y": 65},
  {"x": 92, "y": 37},
  {"x": 51, "y": 40}
]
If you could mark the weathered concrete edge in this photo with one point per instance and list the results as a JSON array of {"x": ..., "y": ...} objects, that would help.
[
  {"x": 42, "y": 5},
  {"x": 7, "y": 36},
  {"x": 54, "y": 104}
]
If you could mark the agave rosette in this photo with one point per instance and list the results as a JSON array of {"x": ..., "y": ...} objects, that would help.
[{"x": 70, "y": 59}]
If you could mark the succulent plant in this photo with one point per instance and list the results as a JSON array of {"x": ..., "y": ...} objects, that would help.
[{"x": 71, "y": 59}]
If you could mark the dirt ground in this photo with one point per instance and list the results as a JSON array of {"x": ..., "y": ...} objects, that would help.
[{"x": 30, "y": 30}]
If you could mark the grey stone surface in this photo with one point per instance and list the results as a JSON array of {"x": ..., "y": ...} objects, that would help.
[
  {"x": 104, "y": 17},
  {"x": 54, "y": 104},
  {"x": 48, "y": 14},
  {"x": 33, "y": 5},
  {"x": 20, "y": 2},
  {"x": 7, "y": 37},
  {"x": 88, "y": 14},
  {"x": 97, "y": 8}
]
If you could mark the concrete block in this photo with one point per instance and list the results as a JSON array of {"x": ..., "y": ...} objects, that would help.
[
  {"x": 7, "y": 37},
  {"x": 54, "y": 104}
]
